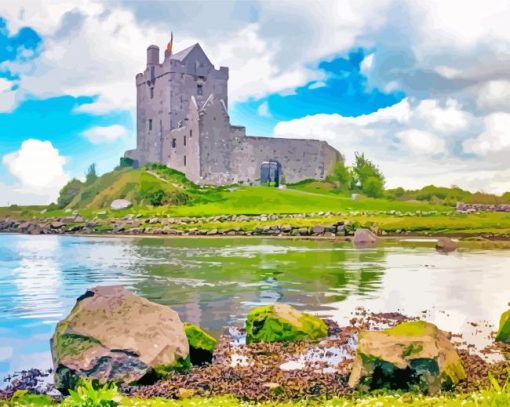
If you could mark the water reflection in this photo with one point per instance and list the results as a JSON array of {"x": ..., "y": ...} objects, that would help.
[
  {"x": 214, "y": 282},
  {"x": 37, "y": 278}
]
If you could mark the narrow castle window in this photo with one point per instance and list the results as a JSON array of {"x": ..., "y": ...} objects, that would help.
[
  {"x": 190, "y": 133},
  {"x": 185, "y": 161},
  {"x": 152, "y": 93},
  {"x": 200, "y": 90},
  {"x": 184, "y": 140},
  {"x": 150, "y": 124},
  {"x": 174, "y": 143}
]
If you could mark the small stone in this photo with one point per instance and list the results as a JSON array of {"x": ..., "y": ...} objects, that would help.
[
  {"x": 364, "y": 237},
  {"x": 446, "y": 245}
]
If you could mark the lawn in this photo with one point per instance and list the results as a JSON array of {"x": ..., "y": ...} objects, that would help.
[{"x": 265, "y": 200}]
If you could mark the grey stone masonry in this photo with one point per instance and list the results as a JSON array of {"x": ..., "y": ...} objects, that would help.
[{"x": 183, "y": 122}]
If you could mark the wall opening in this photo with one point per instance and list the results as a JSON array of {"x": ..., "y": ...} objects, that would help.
[
  {"x": 270, "y": 173},
  {"x": 185, "y": 161}
]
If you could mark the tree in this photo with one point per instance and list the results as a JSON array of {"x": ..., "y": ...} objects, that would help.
[
  {"x": 91, "y": 175},
  {"x": 373, "y": 187},
  {"x": 367, "y": 177},
  {"x": 68, "y": 192},
  {"x": 342, "y": 175}
]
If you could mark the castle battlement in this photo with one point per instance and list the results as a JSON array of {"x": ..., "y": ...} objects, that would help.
[{"x": 183, "y": 122}]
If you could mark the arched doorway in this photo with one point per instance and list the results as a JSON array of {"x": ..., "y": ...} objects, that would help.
[{"x": 270, "y": 173}]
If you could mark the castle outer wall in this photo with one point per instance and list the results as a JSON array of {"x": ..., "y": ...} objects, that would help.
[{"x": 183, "y": 122}]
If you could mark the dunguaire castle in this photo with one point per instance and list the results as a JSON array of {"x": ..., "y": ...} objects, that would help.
[{"x": 183, "y": 122}]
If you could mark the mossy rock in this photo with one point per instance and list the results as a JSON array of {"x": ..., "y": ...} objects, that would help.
[
  {"x": 503, "y": 334},
  {"x": 201, "y": 344},
  {"x": 282, "y": 323},
  {"x": 112, "y": 335},
  {"x": 410, "y": 355}
]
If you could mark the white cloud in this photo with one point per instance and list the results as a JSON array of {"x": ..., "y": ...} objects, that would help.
[
  {"x": 104, "y": 134},
  {"x": 367, "y": 63},
  {"x": 494, "y": 96},
  {"x": 317, "y": 85},
  {"x": 263, "y": 110},
  {"x": 447, "y": 118},
  {"x": 38, "y": 169},
  {"x": 7, "y": 96},
  {"x": 495, "y": 138},
  {"x": 412, "y": 144},
  {"x": 422, "y": 142}
]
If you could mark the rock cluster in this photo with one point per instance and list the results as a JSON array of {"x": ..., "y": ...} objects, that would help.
[
  {"x": 472, "y": 208},
  {"x": 113, "y": 335},
  {"x": 165, "y": 225}
]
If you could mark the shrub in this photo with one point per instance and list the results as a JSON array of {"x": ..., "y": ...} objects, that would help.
[
  {"x": 90, "y": 394},
  {"x": 68, "y": 192}
]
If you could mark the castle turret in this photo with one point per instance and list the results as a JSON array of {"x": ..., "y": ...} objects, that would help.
[{"x": 152, "y": 55}]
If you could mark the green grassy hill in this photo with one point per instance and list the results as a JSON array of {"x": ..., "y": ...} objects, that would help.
[
  {"x": 152, "y": 185},
  {"x": 156, "y": 187}
]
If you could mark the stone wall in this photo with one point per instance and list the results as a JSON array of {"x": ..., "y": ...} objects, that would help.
[
  {"x": 469, "y": 208},
  {"x": 181, "y": 146}
]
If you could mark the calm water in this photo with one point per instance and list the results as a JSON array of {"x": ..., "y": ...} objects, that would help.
[{"x": 214, "y": 282}]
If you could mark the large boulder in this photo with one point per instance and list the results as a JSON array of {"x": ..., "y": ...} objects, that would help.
[
  {"x": 119, "y": 204},
  {"x": 364, "y": 237},
  {"x": 113, "y": 335},
  {"x": 201, "y": 344},
  {"x": 410, "y": 354},
  {"x": 282, "y": 323},
  {"x": 503, "y": 334}
]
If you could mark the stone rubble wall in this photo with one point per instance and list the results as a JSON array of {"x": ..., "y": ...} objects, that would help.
[
  {"x": 471, "y": 208},
  {"x": 194, "y": 226}
]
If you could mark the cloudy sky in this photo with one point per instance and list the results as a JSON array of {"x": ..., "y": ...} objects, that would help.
[{"x": 421, "y": 87}]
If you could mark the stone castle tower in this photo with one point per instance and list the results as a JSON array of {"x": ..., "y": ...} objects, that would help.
[{"x": 183, "y": 122}]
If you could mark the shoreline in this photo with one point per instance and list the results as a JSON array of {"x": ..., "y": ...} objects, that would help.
[
  {"x": 473, "y": 241},
  {"x": 260, "y": 364}
]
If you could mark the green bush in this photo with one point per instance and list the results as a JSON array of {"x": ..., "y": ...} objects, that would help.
[
  {"x": 68, "y": 192},
  {"x": 156, "y": 198},
  {"x": 90, "y": 394}
]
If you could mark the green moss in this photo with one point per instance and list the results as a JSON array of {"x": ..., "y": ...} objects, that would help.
[
  {"x": 180, "y": 365},
  {"x": 454, "y": 372},
  {"x": 503, "y": 334},
  {"x": 264, "y": 324},
  {"x": 412, "y": 349},
  {"x": 412, "y": 328},
  {"x": 73, "y": 344},
  {"x": 198, "y": 338}
]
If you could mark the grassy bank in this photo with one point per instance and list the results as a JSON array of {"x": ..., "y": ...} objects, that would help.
[
  {"x": 179, "y": 198},
  {"x": 485, "y": 398}
]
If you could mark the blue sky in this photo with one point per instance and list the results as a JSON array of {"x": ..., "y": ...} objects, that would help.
[{"x": 422, "y": 89}]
